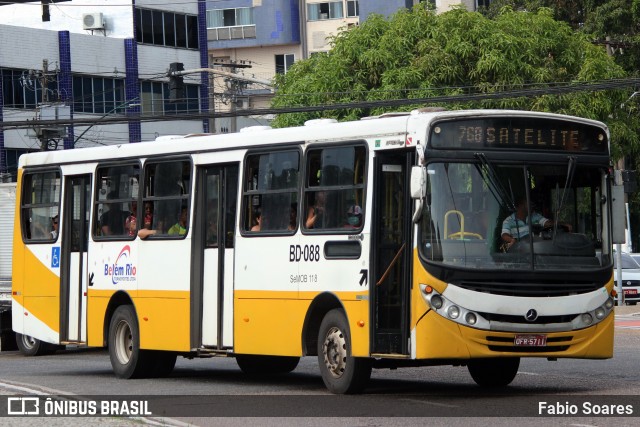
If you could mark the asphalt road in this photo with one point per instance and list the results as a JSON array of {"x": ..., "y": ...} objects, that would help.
[{"x": 216, "y": 389}]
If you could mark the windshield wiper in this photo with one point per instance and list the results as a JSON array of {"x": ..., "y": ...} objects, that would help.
[
  {"x": 488, "y": 172},
  {"x": 571, "y": 169}
]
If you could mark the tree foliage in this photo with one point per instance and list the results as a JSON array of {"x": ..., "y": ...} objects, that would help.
[{"x": 419, "y": 54}]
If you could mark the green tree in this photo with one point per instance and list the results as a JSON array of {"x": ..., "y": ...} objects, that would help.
[{"x": 419, "y": 54}]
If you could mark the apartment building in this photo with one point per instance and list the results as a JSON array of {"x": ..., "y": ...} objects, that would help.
[
  {"x": 99, "y": 59},
  {"x": 258, "y": 39}
]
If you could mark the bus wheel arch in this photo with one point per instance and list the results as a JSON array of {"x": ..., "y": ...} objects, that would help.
[{"x": 318, "y": 309}]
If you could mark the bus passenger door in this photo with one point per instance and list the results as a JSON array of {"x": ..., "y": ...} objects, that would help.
[
  {"x": 213, "y": 249},
  {"x": 391, "y": 271},
  {"x": 73, "y": 258}
]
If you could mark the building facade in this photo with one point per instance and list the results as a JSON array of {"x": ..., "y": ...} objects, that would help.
[
  {"x": 261, "y": 38},
  {"x": 93, "y": 60},
  {"x": 87, "y": 61}
]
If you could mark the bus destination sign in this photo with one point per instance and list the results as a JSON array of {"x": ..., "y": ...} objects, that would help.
[{"x": 519, "y": 133}]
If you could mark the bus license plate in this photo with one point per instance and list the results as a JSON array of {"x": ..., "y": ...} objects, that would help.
[
  {"x": 530, "y": 340},
  {"x": 630, "y": 291}
]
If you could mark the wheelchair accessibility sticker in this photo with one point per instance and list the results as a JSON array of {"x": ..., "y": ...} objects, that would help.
[{"x": 55, "y": 257}]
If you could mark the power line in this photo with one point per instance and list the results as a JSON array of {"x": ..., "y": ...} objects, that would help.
[{"x": 518, "y": 93}]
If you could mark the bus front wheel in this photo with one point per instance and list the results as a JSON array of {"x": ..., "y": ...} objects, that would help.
[
  {"x": 498, "y": 372},
  {"x": 341, "y": 372},
  {"x": 30, "y": 346},
  {"x": 127, "y": 360}
]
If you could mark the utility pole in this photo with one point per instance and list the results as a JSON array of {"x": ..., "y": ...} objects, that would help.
[
  {"x": 49, "y": 136},
  {"x": 235, "y": 83}
]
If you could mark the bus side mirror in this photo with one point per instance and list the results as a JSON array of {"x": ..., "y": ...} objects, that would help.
[
  {"x": 418, "y": 182},
  {"x": 418, "y": 189}
]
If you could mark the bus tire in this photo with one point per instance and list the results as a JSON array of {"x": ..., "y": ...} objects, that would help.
[
  {"x": 127, "y": 360},
  {"x": 497, "y": 372},
  {"x": 30, "y": 346},
  {"x": 341, "y": 372},
  {"x": 260, "y": 365},
  {"x": 162, "y": 363}
]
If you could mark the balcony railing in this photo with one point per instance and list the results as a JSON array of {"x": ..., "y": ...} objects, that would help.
[{"x": 232, "y": 33}]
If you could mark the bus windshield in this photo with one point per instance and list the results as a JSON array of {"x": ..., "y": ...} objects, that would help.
[{"x": 488, "y": 215}]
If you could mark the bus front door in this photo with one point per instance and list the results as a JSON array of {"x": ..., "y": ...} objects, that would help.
[
  {"x": 74, "y": 230},
  {"x": 213, "y": 249},
  {"x": 392, "y": 253}
]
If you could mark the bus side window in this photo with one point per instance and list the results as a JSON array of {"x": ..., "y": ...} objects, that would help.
[
  {"x": 271, "y": 188},
  {"x": 334, "y": 189},
  {"x": 40, "y": 203},
  {"x": 167, "y": 188},
  {"x": 116, "y": 193}
]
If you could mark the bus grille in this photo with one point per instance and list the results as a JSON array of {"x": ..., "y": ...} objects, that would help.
[
  {"x": 538, "y": 289},
  {"x": 541, "y": 320}
]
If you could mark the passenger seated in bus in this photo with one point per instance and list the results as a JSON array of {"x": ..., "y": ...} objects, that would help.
[
  {"x": 293, "y": 217},
  {"x": 257, "y": 217},
  {"x": 112, "y": 220},
  {"x": 354, "y": 217},
  {"x": 54, "y": 227},
  {"x": 180, "y": 227},
  {"x": 515, "y": 227},
  {"x": 130, "y": 224},
  {"x": 148, "y": 215},
  {"x": 316, "y": 212}
]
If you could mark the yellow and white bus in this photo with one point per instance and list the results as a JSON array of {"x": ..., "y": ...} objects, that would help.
[{"x": 373, "y": 243}]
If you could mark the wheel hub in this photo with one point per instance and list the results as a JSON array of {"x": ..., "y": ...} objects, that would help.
[
  {"x": 123, "y": 342},
  {"x": 334, "y": 350}
]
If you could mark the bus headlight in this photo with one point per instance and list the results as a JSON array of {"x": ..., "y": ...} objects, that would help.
[
  {"x": 453, "y": 312},
  {"x": 436, "y": 302},
  {"x": 587, "y": 319},
  {"x": 609, "y": 304},
  {"x": 600, "y": 313},
  {"x": 471, "y": 318}
]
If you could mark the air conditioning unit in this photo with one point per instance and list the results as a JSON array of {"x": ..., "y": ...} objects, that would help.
[{"x": 93, "y": 21}]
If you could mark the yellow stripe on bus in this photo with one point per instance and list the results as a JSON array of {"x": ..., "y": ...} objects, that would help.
[
  {"x": 163, "y": 317},
  {"x": 271, "y": 322}
]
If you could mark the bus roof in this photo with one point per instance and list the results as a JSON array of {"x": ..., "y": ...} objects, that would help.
[{"x": 321, "y": 130}]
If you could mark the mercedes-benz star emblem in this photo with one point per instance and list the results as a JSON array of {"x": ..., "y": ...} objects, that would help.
[{"x": 531, "y": 315}]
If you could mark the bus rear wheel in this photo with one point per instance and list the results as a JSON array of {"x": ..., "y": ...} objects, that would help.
[
  {"x": 341, "y": 372},
  {"x": 30, "y": 346},
  {"x": 497, "y": 372},
  {"x": 258, "y": 365},
  {"x": 127, "y": 360}
]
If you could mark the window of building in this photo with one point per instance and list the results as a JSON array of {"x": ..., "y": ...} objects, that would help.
[
  {"x": 20, "y": 89},
  {"x": 155, "y": 99},
  {"x": 40, "y": 206},
  {"x": 98, "y": 95},
  {"x": 353, "y": 8},
  {"x": 227, "y": 24},
  {"x": 326, "y": 10},
  {"x": 284, "y": 62},
  {"x": 115, "y": 203},
  {"x": 271, "y": 192},
  {"x": 334, "y": 189},
  {"x": 482, "y": 4},
  {"x": 167, "y": 186},
  {"x": 217, "y": 18},
  {"x": 166, "y": 28}
]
